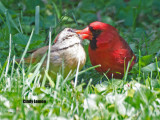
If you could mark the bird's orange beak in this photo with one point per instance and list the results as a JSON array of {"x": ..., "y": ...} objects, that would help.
[{"x": 85, "y": 33}]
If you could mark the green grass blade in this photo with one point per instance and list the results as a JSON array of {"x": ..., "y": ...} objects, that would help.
[
  {"x": 3, "y": 69},
  {"x": 20, "y": 25},
  {"x": 50, "y": 79},
  {"x": 74, "y": 17},
  {"x": 57, "y": 10},
  {"x": 128, "y": 66},
  {"x": 13, "y": 63},
  {"x": 7, "y": 67},
  {"x": 2, "y": 8},
  {"x": 35, "y": 72},
  {"x": 139, "y": 63},
  {"x": 26, "y": 48},
  {"x": 37, "y": 15},
  {"x": 48, "y": 60},
  {"x": 8, "y": 17},
  {"x": 158, "y": 69},
  {"x": 79, "y": 60}
]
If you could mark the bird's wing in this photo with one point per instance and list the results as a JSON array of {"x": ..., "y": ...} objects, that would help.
[
  {"x": 32, "y": 51},
  {"x": 123, "y": 56},
  {"x": 37, "y": 55}
]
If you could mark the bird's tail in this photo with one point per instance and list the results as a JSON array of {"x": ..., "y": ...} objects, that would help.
[{"x": 27, "y": 60}]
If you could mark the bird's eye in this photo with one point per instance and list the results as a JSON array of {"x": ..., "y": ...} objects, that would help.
[
  {"x": 95, "y": 32},
  {"x": 70, "y": 30},
  {"x": 91, "y": 28}
]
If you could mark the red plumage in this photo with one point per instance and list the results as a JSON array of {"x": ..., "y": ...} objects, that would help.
[{"x": 107, "y": 48}]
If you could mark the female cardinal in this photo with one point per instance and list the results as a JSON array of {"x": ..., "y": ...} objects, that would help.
[
  {"x": 107, "y": 48},
  {"x": 67, "y": 49}
]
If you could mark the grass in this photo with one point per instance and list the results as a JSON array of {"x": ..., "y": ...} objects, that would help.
[{"x": 93, "y": 96}]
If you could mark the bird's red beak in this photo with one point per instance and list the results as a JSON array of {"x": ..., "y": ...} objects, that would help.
[{"x": 85, "y": 33}]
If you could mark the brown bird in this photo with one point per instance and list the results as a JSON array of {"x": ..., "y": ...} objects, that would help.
[{"x": 67, "y": 49}]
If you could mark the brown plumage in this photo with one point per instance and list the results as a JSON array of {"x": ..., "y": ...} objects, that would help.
[{"x": 67, "y": 49}]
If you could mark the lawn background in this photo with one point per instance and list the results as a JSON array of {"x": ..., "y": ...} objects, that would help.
[{"x": 136, "y": 96}]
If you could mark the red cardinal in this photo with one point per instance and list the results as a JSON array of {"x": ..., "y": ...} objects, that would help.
[{"x": 107, "y": 48}]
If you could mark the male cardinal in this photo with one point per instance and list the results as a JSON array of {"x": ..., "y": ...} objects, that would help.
[
  {"x": 107, "y": 48},
  {"x": 67, "y": 49}
]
